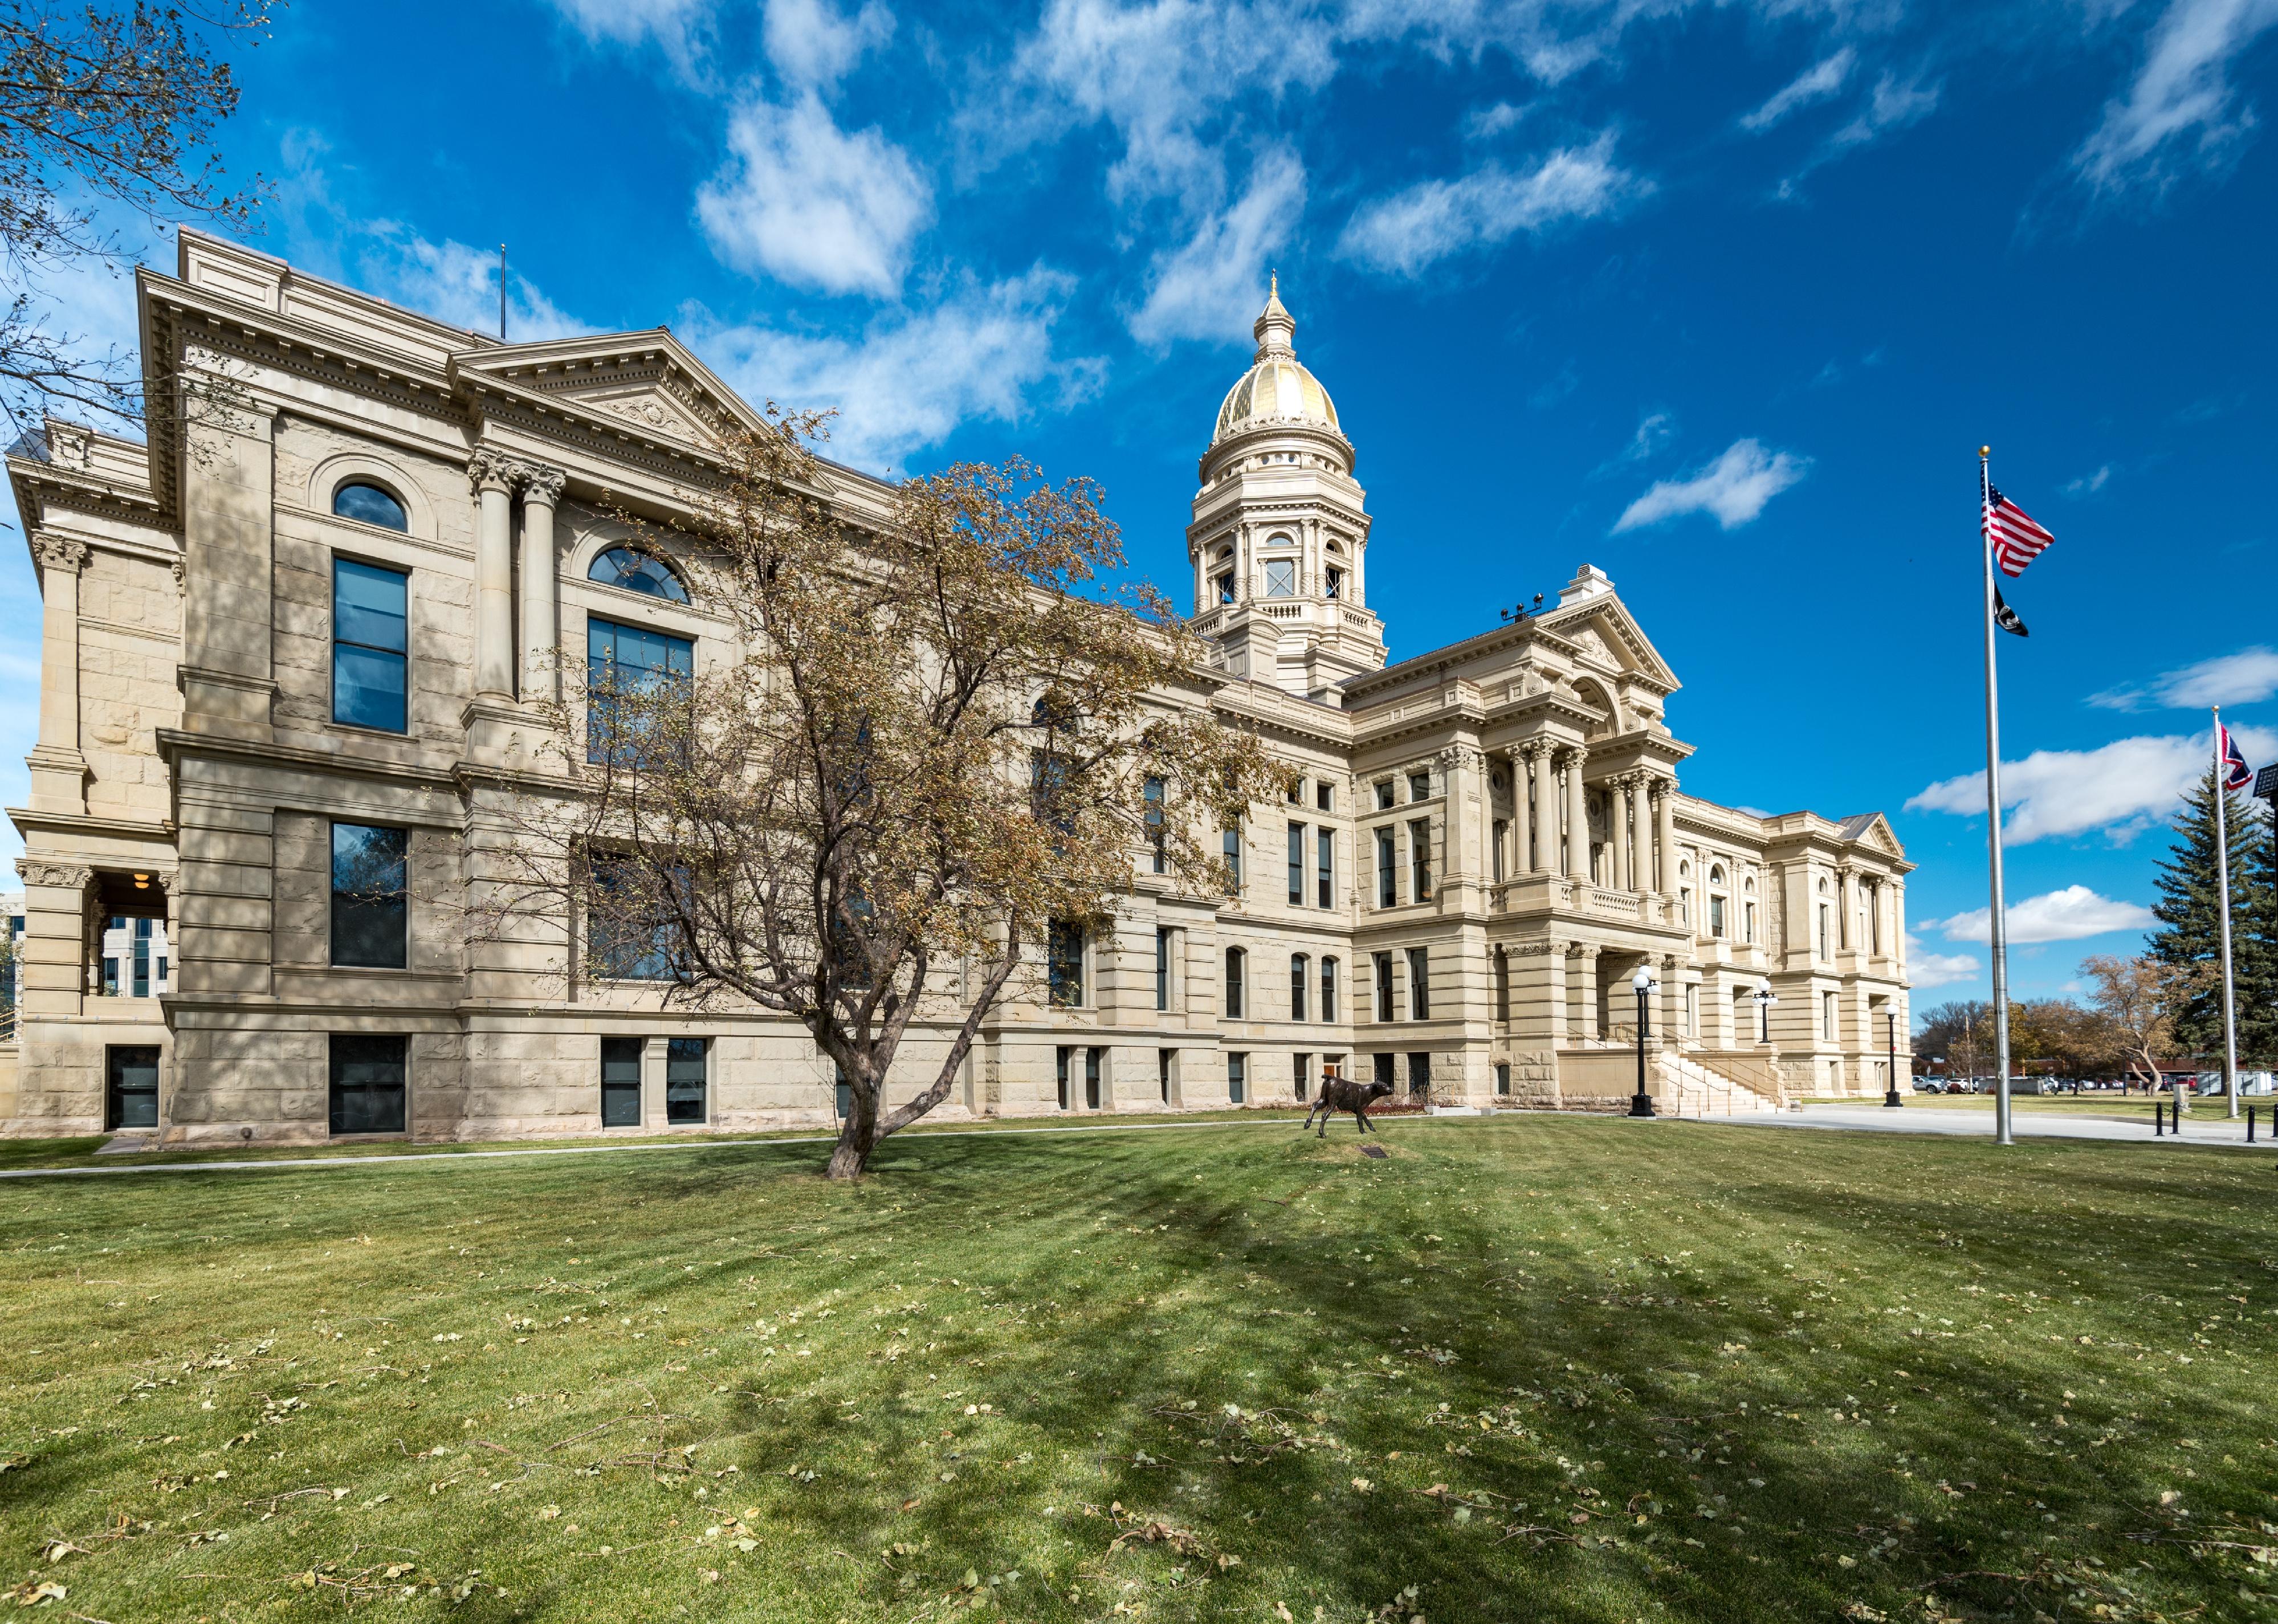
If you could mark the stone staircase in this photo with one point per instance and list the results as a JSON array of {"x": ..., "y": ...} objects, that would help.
[{"x": 1692, "y": 1088}]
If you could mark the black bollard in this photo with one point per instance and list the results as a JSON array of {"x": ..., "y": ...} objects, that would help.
[
  {"x": 2159, "y": 1118},
  {"x": 2249, "y": 1124}
]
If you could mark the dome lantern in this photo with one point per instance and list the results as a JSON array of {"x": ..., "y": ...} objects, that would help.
[{"x": 1277, "y": 391}]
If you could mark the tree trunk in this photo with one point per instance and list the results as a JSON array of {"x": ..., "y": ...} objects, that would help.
[{"x": 858, "y": 1135}]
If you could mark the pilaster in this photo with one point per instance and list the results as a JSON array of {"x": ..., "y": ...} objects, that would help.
[{"x": 58, "y": 767}]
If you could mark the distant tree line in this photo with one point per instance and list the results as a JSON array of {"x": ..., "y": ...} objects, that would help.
[{"x": 2164, "y": 1004}]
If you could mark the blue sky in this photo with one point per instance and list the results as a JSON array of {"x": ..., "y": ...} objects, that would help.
[{"x": 1720, "y": 297}]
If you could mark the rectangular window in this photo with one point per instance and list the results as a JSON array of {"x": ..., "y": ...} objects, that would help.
[
  {"x": 685, "y": 1069},
  {"x": 1419, "y": 786},
  {"x": 371, "y": 897},
  {"x": 1237, "y": 1078},
  {"x": 1501, "y": 984},
  {"x": 1163, "y": 1071},
  {"x": 1383, "y": 793},
  {"x": 1419, "y": 1076},
  {"x": 1157, "y": 856},
  {"x": 1060, "y": 1058},
  {"x": 1280, "y": 577},
  {"x": 1324, "y": 856},
  {"x": 624, "y": 665},
  {"x": 1420, "y": 860},
  {"x": 1301, "y": 971},
  {"x": 1328, "y": 989},
  {"x": 1495, "y": 843},
  {"x": 1824, "y": 953},
  {"x": 1295, "y": 793},
  {"x": 1325, "y": 796},
  {"x": 1384, "y": 986},
  {"x": 142, "y": 940},
  {"x": 1380, "y": 1068},
  {"x": 1092, "y": 1059},
  {"x": 1827, "y": 1015},
  {"x": 1302, "y": 1069},
  {"x": 1296, "y": 865},
  {"x": 1065, "y": 964},
  {"x": 1715, "y": 915},
  {"x": 1502, "y": 1078},
  {"x": 368, "y": 1083},
  {"x": 1419, "y": 984},
  {"x": 1235, "y": 963},
  {"x": 1692, "y": 1010},
  {"x": 628, "y": 943},
  {"x": 1388, "y": 871},
  {"x": 1230, "y": 844},
  {"x": 130, "y": 1087},
  {"x": 370, "y": 646},
  {"x": 1748, "y": 922},
  {"x": 620, "y": 1082},
  {"x": 1162, "y": 968}
]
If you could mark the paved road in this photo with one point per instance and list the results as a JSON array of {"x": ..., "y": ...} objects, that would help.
[{"x": 2207, "y": 1126}]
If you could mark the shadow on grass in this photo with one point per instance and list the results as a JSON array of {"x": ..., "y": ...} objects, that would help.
[{"x": 1554, "y": 1320}]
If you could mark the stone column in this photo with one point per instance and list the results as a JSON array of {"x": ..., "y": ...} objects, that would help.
[
  {"x": 492, "y": 477},
  {"x": 1578, "y": 817},
  {"x": 1847, "y": 912},
  {"x": 1542, "y": 812},
  {"x": 1665, "y": 835},
  {"x": 541, "y": 633},
  {"x": 58, "y": 769},
  {"x": 1617, "y": 807},
  {"x": 1522, "y": 811}
]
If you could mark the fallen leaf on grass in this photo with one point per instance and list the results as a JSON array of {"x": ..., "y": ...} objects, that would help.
[
  {"x": 55, "y": 1550},
  {"x": 30, "y": 1595}
]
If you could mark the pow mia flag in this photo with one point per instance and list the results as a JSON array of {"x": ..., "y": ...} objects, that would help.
[{"x": 2006, "y": 618}]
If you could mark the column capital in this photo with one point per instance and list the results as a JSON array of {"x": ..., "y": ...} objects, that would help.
[
  {"x": 59, "y": 553},
  {"x": 539, "y": 483},
  {"x": 491, "y": 470},
  {"x": 72, "y": 876}
]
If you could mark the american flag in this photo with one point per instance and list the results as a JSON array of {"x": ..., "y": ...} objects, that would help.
[{"x": 2017, "y": 541}]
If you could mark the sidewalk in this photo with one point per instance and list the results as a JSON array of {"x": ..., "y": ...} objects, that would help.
[{"x": 2207, "y": 1126}]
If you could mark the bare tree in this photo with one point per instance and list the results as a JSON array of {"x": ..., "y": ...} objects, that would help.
[
  {"x": 103, "y": 106},
  {"x": 936, "y": 751},
  {"x": 2139, "y": 997}
]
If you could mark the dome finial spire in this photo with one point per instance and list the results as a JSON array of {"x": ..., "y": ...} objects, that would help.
[{"x": 1276, "y": 327}]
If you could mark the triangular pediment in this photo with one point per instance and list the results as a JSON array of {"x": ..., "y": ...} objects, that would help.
[
  {"x": 1606, "y": 636},
  {"x": 649, "y": 382},
  {"x": 1873, "y": 831}
]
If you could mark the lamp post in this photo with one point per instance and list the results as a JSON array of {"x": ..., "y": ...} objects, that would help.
[
  {"x": 1765, "y": 998},
  {"x": 1891, "y": 1100},
  {"x": 1641, "y": 1104}
]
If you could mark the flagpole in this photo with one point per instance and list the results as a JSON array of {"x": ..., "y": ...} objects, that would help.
[
  {"x": 1998, "y": 915},
  {"x": 2222, "y": 883}
]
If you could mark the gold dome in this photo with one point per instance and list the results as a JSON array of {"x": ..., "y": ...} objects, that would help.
[{"x": 1276, "y": 390}]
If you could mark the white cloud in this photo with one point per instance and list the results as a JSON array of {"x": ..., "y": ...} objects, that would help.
[
  {"x": 1487, "y": 121},
  {"x": 986, "y": 352},
  {"x": 2178, "y": 114},
  {"x": 1163, "y": 73},
  {"x": 1734, "y": 488},
  {"x": 1926, "y": 969},
  {"x": 2088, "y": 484},
  {"x": 1413, "y": 229},
  {"x": 1210, "y": 287},
  {"x": 678, "y": 26},
  {"x": 1892, "y": 105},
  {"x": 812, "y": 205},
  {"x": 2241, "y": 678},
  {"x": 2053, "y": 916},
  {"x": 811, "y": 44},
  {"x": 1815, "y": 83},
  {"x": 456, "y": 283},
  {"x": 2122, "y": 787}
]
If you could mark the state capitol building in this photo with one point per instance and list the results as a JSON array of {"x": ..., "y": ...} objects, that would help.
[{"x": 296, "y": 639}]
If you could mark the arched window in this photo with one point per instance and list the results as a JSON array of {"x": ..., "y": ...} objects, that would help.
[
  {"x": 1234, "y": 959},
  {"x": 1328, "y": 989},
  {"x": 1301, "y": 968},
  {"x": 368, "y": 504},
  {"x": 637, "y": 572}
]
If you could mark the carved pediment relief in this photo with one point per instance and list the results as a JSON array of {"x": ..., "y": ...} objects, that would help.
[{"x": 653, "y": 410}]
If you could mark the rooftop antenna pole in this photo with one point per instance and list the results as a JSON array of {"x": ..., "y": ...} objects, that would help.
[{"x": 501, "y": 292}]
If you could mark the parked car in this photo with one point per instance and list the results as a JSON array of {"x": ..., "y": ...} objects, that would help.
[{"x": 1929, "y": 1085}]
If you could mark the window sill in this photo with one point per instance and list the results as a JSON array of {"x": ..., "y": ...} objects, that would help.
[
  {"x": 372, "y": 970},
  {"x": 360, "y": 731}
]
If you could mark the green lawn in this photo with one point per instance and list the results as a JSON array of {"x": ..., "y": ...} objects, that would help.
[{"x": 1536, "y": 1368}]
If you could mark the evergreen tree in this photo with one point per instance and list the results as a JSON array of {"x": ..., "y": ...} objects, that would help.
[{"x": 2189, "y": 909}]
